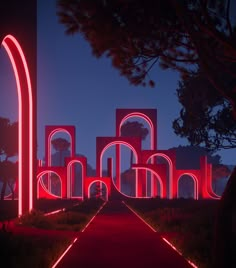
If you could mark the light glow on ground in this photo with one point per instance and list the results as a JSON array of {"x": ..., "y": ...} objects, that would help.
[
  {"x": 76, "y": 238},
  {"x": 163, "y": 238}
]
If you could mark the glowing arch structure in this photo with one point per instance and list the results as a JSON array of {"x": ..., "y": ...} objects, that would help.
[
  {"x": 150, "y": 116},
  {"x": 50, "y": 131},
  {"x": 25, "y": 119},
  {"x": 103, "y": 143},
  {"x": 43, "y": 191},
  {"x": 69, "y": 163},
  {"x": 91, "y": 180}
]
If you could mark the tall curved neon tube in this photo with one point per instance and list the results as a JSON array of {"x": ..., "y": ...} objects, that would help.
[{"x": 25, "y": 118}]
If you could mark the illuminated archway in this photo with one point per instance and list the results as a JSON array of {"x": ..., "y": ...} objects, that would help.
[
  {"x": 41, "y": 184},
  {"x": 94, "y": 182},
  {"x": 119, "y": 142},
  {"x": 162, "y": 194},
  {"x": 25, "y": 121},
  {"x": 147, "y": 119},
  {"x": 150, "y": 116},
  {"x": 195, "y": 180},
  {"x": 170, "y": 171},
  {"x": 50, "y": 132},
  {"x": 82, "y": 162}
]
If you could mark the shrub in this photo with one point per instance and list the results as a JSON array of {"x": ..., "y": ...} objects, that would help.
[{"x": 35, "y": 218}]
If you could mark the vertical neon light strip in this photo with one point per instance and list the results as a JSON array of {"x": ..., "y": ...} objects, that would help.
[{"x": 11, "y": 45}]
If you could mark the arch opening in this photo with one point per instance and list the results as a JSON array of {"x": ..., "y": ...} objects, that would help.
[{"x": 187, "y": 186}]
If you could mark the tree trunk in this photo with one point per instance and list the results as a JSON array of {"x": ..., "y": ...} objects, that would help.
[
  {"x": 4, "y": 186},
  {"x": 223, "y": 243}
]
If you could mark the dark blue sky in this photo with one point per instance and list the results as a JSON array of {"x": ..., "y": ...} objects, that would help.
[{"x": 74, "y": 88}]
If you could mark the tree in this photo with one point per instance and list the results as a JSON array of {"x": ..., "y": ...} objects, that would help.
[
  {"x": 9, "y": 173},
  {"x": 60, "y": 145},
  {"x": 8, "y": 148},
  {"x": 219, "y": 171},
  {"x": 205, "y": 117},
  {"x": 133, "y": 129},
  {"x": 180, "y": 35}
]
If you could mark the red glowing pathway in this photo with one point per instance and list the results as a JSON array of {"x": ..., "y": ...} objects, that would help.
[{"x": 118, "y": 238}]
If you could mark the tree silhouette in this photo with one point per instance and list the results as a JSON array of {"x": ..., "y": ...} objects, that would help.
[
  {"x": 8, "y": 148},
  {"x": 179, "y": 35},
  {"x": 219, "y": 171},
  {"x": 8, "y": 173},
  {"x": 133, "y": 129},
  {"x": 205, "y": 117},
  {"x": 60, "y": 145}
]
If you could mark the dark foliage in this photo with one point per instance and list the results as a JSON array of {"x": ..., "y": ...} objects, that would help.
[
  {"x": 180, "y": 35},
  {"x": 206, "y": 117}
]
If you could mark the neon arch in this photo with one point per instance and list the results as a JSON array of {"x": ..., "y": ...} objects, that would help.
[
  {"x": 170, "y": 171},
  {"x": 69, "y": 190},
  {"x": 148, "y": 120},
  {"x": 152, "y": 134},
  {"x": 157, "y": 176},
  {"x": 118, "y": 143},
  {"x": 103, "y": 183},
  {"x": 25, "y": 118},
  {"x": 39, "y": 181},
  {"x": 195, "y": 180},
  {"x": 52, "y": 133}
]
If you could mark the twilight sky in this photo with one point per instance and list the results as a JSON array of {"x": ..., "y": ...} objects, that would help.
[{"x": 75, "y": 88}]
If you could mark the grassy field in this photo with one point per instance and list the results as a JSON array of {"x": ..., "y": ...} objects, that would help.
[
  {"x": 38, "y": 240},
  {"x": 187, "y": 223}
]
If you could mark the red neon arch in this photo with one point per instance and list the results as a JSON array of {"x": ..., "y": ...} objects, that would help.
[
  {"x": 103, "y": 183},
  {"x": 25, "y": 118},
  {"x": 195, "y": 180},
  {"x": 148, "y": 120},
  {"x": 39, "y": 181},
  {"x": 114, "y": 143},
  {"x": 152, "y": 136},
  {"x": 119, "y": 143},
  {"x": 49, "y": 142},
  {"x": 170, "y": 171},
  {"x": 157, "y": 176},
  {"x": 69, "y": 190}
]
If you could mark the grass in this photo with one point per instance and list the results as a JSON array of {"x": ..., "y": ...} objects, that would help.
[
  {"x": 30, "y": 251},
  {"x": 38, "y": 248},
  {"x": 187, "y": 223}
]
